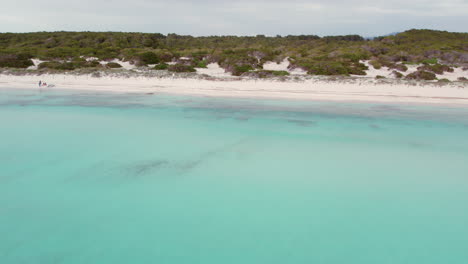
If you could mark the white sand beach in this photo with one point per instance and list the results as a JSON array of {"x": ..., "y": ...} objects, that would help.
[{"x": 358, "y": 89}]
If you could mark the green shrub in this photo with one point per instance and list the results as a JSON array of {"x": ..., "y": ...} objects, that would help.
[
  {"x": 380, "y": 77},
  {"x": 396, "y": 74},
  {"x": 429, "y": 61},
  {"x": 15, "y": 61},
  {"x": 113, "y": 65},
  {"x": 444, "y": 80},
  {"x": 86, "y": 64},
  {"x": 384, "y": 62},
  {"x": 265, "y": 74},
  {"x": 200, "y": 64},
  {"x": 199, "y": 55},
  {"x": 355, "y": 57},
  {"x": 356, "y": 68},
  {"x": 327, "y": 68},
  {"x": 166, "y": 56},
  {"x": 181, "y": 68},
  {"x": 161, "y": 66},
  {"x": 410, "y": 63},
  {"x": 343, "y": 38},
  {"x": 149, "y": 58},
  {"x": 436, "y": 68},
  {"x": 462, "y": 79},
  {"x": 280, "y": 73},
  {"x": 421, "y": 75},
  {"x": 62, "y": 53},
  {"x": 68, "y": 66},
  {"x": 376, "y": 64},
  {"x": 93, "y": 64},
  {"x": 238, "y": 61},
  {"x": 238, "y": 70},
  {"x": 399, "y": 67}
]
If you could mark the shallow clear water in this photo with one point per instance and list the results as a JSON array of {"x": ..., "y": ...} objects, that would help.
[{"x": 107, "y": 178}]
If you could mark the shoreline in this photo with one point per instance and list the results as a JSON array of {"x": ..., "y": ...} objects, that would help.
[{"x": 311, "y": 89}]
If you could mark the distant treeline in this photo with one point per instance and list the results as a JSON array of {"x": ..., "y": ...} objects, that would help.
[{"x": 330, "y": 55}]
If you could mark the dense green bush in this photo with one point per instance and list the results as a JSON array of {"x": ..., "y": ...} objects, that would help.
[
  {"x": 421, "y": 75},
  {"x": 57, "y": 65},
  {"x": 237, "y": 61},
  {"x": 280, "y": 73},
  {"x": 69, "y": 65},
  {"x": 302, "y": 37},
  {"x": 344, "y": 38},
  {"x": 200, "y": 64},
  {"x": 166, "y": 56},
  {"x": 149, "y": 58},
  {"x": 265, "y": 74},
  {"x": 82, "y": 63},
  {"x": 398, "y": 67},
  {"x": 429, "y": 61},
  {"x": 62, "y": 53},
  {"x": 238, "y": 70},
  {"x": 356, "y": 68},
  {"x": 113, "y": 65},
  {"x": 396, "y": 74},
  {"x": 15, "y": 61},
  {"x": 355, "y": 57},
  {"x": 327, "y": 68},
  {"x": 387, "y": 62},
  {"x": 436, "y": 68},
  {"x": 181, "y": 68},
  {"x": 322, "y": 65},
  {"x": 161, "y": 66},
  {"x": 199, "y": 55},
  {"x": 93, "y": 64},
  {"x": 376, "y": 64}
]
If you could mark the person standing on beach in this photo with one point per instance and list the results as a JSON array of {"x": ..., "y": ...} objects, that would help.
[{"x": 40, "y": 83}]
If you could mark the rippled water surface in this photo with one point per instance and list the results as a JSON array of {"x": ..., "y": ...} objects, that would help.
[{"x": 149, "y": 178}]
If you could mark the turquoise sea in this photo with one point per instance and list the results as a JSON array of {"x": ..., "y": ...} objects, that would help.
[{"x": 148, "y": 178}]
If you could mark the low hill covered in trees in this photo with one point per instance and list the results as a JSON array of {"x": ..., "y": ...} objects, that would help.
[{"x": 332, "y": 55}]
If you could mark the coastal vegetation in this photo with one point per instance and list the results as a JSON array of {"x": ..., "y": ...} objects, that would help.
[
  {"x": 12, "y": 60},
  {"x": 180, "y": 68},
  {"x": 73, "y": 64},
  {"x": 161, "y": 66},
  {"x": 421, "y": 75},
  {"x": 436, "y": 68},
  {"x": 438, "y": 51},
  {"x": 397, "y": 75},
  {"x": 113, "y": 65},
  {"x": 266, "y": 73}
]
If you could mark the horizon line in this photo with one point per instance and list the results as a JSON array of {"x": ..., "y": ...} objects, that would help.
[{"x": 234, "y": 35}]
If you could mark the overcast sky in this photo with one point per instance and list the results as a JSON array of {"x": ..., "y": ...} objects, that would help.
[{"x": 241, "y": 17}]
